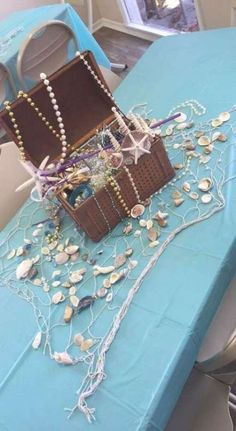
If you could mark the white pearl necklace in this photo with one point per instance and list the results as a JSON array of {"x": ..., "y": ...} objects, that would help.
[
  {"x": 61, "y": 126},
  {"x": 193, "y": 104}
]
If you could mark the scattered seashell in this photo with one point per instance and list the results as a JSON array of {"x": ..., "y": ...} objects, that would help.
[
  {"x": 101, "y": 292},
  {"x": 198, "y": 133},
  {"x": 78, "y": 339},
  {"x": 222, "y": 137},
  {"x": 109, "y": 297},
  {"x": 11, "y": 254},
  {"x": 57, "y": 297},
  {"x": 37, "y": 282},
  {"x": 203, "y": 141},
  {"x": 206, "y": 198},
  {"x": 161, "y": 214},
  {"x": 63, "y": 358},
  {"x": 104, "y": 269},
  {"x": 137, "y": 210},
  {"x": 71, "y": 249},
  {"x": 72, "y": 290},
  {"x": 216, "y": 122},
  {"x": 106, "y": 283},
  {"x": 176, "y": 146},
  {"x": 23, "y": 269},
  {"x": 127, "y": 229},
  {"x": 181, "y": 126},
  {"x": 46, "y": 287},
  {"x": 45, "y": 251},
  {"x": 194, "y": 195},
  {"x": 186, "y": 187},
  {"x": 178, "y": 166},
  {"x": 153, "y": 244},
  {"x": 27, "y": 241},
  {"x": 181, "y": 118},
  {"x": 205, "y": 184},
  {"x": 74, "y": 257},
  {"x": 128, "y": 252},
  {"x": 61, "y": 258},
  {"x": 37, "y": 340},
  {"x": 36, "y": 259},
  {"x": 169, "y": 130},
  {"x": 56, "y": 283},
  {"x": 149, "y": 224},
  {"x": 143, "y": 223},
  {"x": 137, "y": 233},
  {"x": 32, "y": 273},
  {"x": 176, "y": 194},
  {"x": 162, "y": 222},
  {"x": 85, "y": 302},
  {"x": 178, "y": 202},
  {"x": 37, "y": 232},
  {"x": 115, "y": 277},
  {"x": 224, "y": 116},
  {"x": 96, "y": 272},
  {"x": 56, "y": 273},
  {"x": 132, "y": 264},
  {"x": 52, "y": 245},
  {"x": 215, "y": 136},
  {"x": 74, "y": 300},
  {"x": 119, "y": 260},
  {"x": 188, "y": 145},
  {"x": 204, "y": 159},
  {"x": 60, "y": 247},
  {"x": 67, "y": 284},
  {"x": 20, "y": 251},
  {"x": 68, "y": 313},
  {"x": 208, "y": 149},
  {"x": 86, "y": 344},
  {"x": 75, "y": 277},
  {"x": 190, "y": 125},
  {"x": 153, "y": 234}
]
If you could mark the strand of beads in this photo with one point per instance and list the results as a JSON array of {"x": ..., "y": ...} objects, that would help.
[
  {"x": 94, "y": 75},
  {"x": 63, "y": 140},
  {"x": 112, "y": 202},
  {"x": 193, "y": 104},
  {"x": 132, "y": 184},
  {"x": 17, "y": 130},
  {"x": 102, "y": 212},
  {"x": 113, "y": 140},
  {"x": 115, "y": 186}
]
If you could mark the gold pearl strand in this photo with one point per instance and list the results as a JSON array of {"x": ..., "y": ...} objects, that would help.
[
  {"x": 115, "y": 186},
  {"x": 17, "y": 130}
]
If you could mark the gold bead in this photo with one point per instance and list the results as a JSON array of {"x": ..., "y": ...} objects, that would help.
[
  {"x": 122, "y": 201},
  {"x": 19, "y": 137},
  {"x": 8, "y": 108},
  {"x": 43, "y": 118},
  {"x": 17, "y": 132},
  {"x": 13, "y": 120},
  {"x": 29, "y": 99},
  {"x": 11, "y": 114},
  {"x": 57, "y": 135},
  {"x": 24, "y": 95},
  {"x": 47, "y": 124},
  {"x": 36, "y": 109},
  {"x": 20, "y": 142},
  {"x": 6, "y": 102},
  {"x": 32, "y": 104},
  {"x": 40, "y": 114}
]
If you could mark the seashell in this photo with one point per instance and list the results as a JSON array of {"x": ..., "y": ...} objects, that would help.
[
  {"x": 11, "y": 254},
  {"x": 37, "y": 340},
  {"x": 36, "y": 259},
  {"x": 128, "y": 252},
  {"x": 32, "y": 273},
  {"x": 71, "y": 249},
  {"x": 224, "y": 116},
  {"x": 132, "y": 264},
  {"x": 176, "y": 195},
  {"x": 39, "y": 225},
  {"x": 57, "y": 297},
  {"x": 198, "y": 133},
  {"x": 37, "y": 282},
  {"x": 149, "y": 224},
  {"x": 208, "y": 149},
  {"x": 101, "y": 292},
  {"x": 192, "y": 154},
  {"x": 45, "y": 251},
  {"x": 75, "y": 277},
  {"x": 194, "y": 195},
  {"x": 27, "y": 241},
  {"x": 203, "y": 141},
  {"x": 162, "y": 222},
  {"x": 72, "y": 290},
  {"x": 56, "y": 273},
  {"x": 115, "y": 276},
  {"x": 222, "y": 137},
  {"x": 186, "y": 187},
  {"x": 96, "y": 272},
  {"x": 63, "y": 358},
  {"x": 85, "y": 302},
  {"x": 178, "y": 202},
  {"x": 178, "y": 166},
  {"x": 137, "y": 210},
  {"x": 169, "y": 130},
  {"x": 104, "y": 269},
  {"x": 204, "y": 159},
  {"x": 20, "y": 251},
  {"x": 127, "y": 229},
  {"x": 143, "y": 223},
  {"x": 23, "y": 269},
  {"x": 60, "y": 247},
  {"x": 119, "y": 260},
  {"x": 153, "y": 244},
  {"x": 153, "y": 234},
  {"x": 36, "y": 232},
  {"x": 56, "y": 283},
  {"x": 109, "y": 297},
  {"x": 137, "y": 233},
  {"x": 61, "y": 258},
  {"x": 190, "y": 125},
  {"x": 181, "y": 126},
  {"x": 86, "y": 344},
  {"x": 74, "y": 301},
  {"x": 162, "y": 215},
  {"x": 52, "y": 245},
  {"x": 68, "y": 313},
  {"x": 215, "y": 136},
  {"x": 205, "y": 184},
  {"x": 106, "y": 283},
  {"x": 181, "y": 118},
  {"x": 188, "y": 145},
  {"x": 74, "y": 257},
  {"x": 78, "y": 339},
  {"x": 176, "y": 146},
  {"x": 66, "y": 284},
  {"x": 206, "y": 198},
  {"x": 46, "y": 288},
  {"x": 216, "y": 122}
]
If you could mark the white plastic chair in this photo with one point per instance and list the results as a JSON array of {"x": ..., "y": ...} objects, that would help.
[
  {"x": 112, "y": 80},
  {"x": 233, "y": 13},
  {"x": 7, "y": 90},
  {"x": 45, "y": 50}
]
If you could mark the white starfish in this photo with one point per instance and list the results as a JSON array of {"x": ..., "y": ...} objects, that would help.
[
  {"x": 138, "y": 147},
  {"x": 36, "y": 178}
]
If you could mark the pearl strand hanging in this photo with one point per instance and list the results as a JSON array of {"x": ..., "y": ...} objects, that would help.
[
  {"x": 193, "y": 104},
  {"x": 61, "y": 126}
]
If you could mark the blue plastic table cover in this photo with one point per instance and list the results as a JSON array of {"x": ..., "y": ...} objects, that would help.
[
  {"x": 158, "y": 341},
  {"x": 15, "y": 28}
]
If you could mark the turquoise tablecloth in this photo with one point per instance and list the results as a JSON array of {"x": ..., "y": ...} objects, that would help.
[
  {"x": 15, "y": 28},
  {"x": 157, "y": 344}
]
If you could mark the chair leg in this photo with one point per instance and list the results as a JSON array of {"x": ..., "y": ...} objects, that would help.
[{"x": 119, "y": 66}]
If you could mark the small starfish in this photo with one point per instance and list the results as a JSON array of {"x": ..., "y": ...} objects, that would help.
[
  {"x": 36, "y": 178},
  {"x": 138, "y": 146}
]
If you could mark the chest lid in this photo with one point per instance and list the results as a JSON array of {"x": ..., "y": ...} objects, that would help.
[{"x": 83, "y": 103}]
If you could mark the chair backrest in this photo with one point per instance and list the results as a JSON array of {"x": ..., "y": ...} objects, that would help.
[
  {"x": 45, "y": 49},
  {"x": 7, "y": 87}
]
